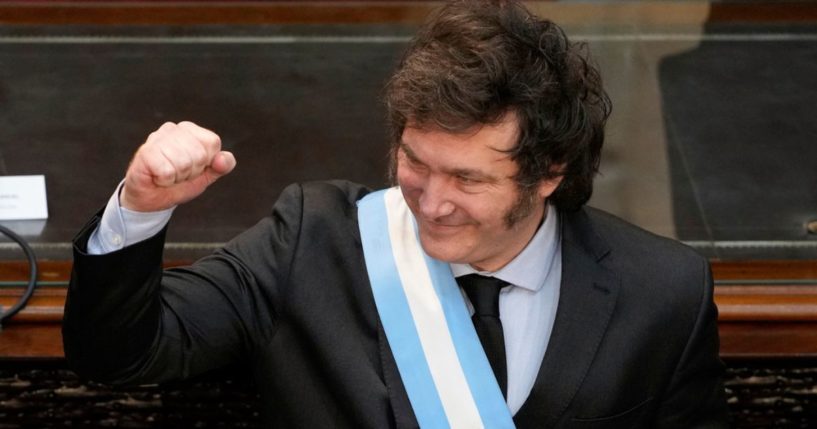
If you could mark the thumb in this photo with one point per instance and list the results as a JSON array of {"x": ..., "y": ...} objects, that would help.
[{"x": 222, "y": 164}]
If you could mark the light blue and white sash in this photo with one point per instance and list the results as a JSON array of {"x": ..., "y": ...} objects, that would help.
[{"x": 448, "y": 379}]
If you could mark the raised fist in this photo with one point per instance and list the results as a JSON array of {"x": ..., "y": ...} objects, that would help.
[{"x": 176, "y": 163}]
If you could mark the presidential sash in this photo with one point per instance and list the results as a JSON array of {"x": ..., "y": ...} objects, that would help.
[{"x": 448, "y": 379}]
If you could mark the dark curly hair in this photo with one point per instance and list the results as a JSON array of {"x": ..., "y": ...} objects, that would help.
[{"x": 476, "y": 60}]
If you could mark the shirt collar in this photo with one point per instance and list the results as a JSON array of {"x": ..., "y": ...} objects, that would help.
[{"x": 530, "y": 267}]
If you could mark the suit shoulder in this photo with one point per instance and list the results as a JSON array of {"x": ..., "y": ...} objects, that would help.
[
  {"x": 325, "y": 208},
  {"x": 322, "y": 196},
  {"x": 626, "y": 237},
  {"x": 331, "y": 197},
  {"x": 659, "y": 269}
]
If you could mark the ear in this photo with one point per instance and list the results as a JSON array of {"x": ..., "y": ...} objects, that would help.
[{"x": 546, "y": 187}]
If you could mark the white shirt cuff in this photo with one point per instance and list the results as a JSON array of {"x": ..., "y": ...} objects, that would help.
[{"x": 120, "y": 227}]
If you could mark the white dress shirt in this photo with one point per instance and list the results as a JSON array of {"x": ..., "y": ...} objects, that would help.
[
  {"x": 120, "y": 227},
  {"x": 527, "y": 307}
]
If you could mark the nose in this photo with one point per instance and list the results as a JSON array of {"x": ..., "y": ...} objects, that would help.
[{"x": 434, "y": 201}]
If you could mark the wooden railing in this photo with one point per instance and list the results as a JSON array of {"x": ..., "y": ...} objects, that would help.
[
  {"x": 767, "y": 309},
  {"x": 391, "y": 12}
]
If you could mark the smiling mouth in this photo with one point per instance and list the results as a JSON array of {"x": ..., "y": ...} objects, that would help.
[{"x": 438, "y": 226}]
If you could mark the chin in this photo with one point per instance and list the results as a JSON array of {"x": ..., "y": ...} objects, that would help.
[{"x": 440, "y": 250}]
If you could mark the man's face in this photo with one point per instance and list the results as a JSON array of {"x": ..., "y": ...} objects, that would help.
[{"x": 461, "y": 190}]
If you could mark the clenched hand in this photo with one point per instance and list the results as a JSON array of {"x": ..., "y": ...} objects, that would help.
[{"x": 176, "y": 163}]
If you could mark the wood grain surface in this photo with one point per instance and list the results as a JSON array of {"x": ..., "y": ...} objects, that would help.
[
  {"x": 755, "y": 320},
  {"x": 378, "y": 12}
]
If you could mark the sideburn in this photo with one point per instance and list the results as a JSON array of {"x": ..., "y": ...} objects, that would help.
[
  {"x": 523, "y": 207},
  {"x": 392, "y": 167}
]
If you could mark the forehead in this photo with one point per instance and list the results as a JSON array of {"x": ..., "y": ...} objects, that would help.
[
  {"x": 481, "y": 151},
  {"x": 501, "y": 136}
]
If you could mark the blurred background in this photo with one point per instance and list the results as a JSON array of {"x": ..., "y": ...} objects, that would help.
[{"x": 712, "y": 141}]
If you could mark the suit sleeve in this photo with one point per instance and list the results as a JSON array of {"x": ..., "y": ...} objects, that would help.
[
  {"x": 696, "y": 397},
  {"x": 127, "y": 321}
]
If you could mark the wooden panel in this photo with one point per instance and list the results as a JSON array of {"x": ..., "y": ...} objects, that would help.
[
  {"x": 767, "y": 303},
  {"x": 18, "y": 271},
  {"x": 735, "y": 302},
  {"x": 24, "y": 341},
  {"x": 50, "y": 271},
  {"x": 763, "y": 12},
  {"x": 389, "y": 12},
  {"x": 767, "y": 321},
  {"x": 240, "y": 13},
  {"x": 44, "y": 306},
  {"x": 738, "y": 340},
  {"x": 757, "y": 320},
  {"x": 764, "y": 270},
  {"x": 768, "y": 340}
]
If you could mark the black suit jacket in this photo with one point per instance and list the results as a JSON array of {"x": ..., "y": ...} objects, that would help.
[{"x": 634, "y": 343}]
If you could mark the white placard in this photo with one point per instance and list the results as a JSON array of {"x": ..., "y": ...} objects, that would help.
[{"x": 23, "y": 197}]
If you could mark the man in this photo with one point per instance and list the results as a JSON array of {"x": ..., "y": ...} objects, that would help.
[{"x": 343, "y": 303}]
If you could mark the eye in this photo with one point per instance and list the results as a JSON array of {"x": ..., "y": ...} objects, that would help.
[
  {"x": 467, "y": 180},
  {"x": 413, "y": 163}
]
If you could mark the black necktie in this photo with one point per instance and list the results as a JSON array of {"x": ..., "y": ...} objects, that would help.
[{"x": 484, "y": 295}]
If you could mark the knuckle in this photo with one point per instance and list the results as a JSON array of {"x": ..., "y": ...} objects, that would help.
[
  {"x": 213, "y": 143},
  {"x": 184, "y": 166},
  {"x": 166, "y": 127},
  {"x": 166, "y": 173},
  {"x": 145, "y": 154},
  {"x": 200, "y": 158},
  {"x": 163, "y": 168}
]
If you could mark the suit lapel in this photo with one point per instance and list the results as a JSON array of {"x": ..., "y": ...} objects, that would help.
[
  {"x": 404, "y": 417},
  {"x": 587, "y": 298}
]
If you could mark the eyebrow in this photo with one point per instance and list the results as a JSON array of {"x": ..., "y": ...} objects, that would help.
[
  {"x": 409, "y": 153},
  {"x": 466, "y": 172}
]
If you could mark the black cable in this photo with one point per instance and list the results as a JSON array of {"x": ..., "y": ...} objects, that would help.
[{"x": 32, "y": 276}]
